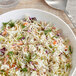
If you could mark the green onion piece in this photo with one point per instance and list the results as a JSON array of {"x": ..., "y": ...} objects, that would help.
[
  {"x": 50, "y": 46},
  {"x": 24, "y": 69},
  {"x": 19, "y": 38},
  {"x": 23, "y": 26},
  {"x": 2, "y": 71},
  {"x": 68, "y": 65},
  {"x": 28, "y": 58},
  {"x": 10, "y": 53},
  {"x": 46, "y": 31},
  {"x": 5, "y": 23},
  {"x": 54, "y": 37},
  {"x": 42, "y": 58},
  {"x": 11, "y": 24},
  {"x": 70, "y": 49},
  {"x": 35, "y": 55},
  {"x": 53, "y": 51}
]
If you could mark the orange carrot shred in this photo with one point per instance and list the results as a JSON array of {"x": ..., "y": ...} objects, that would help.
[
  {"x": 4, "y": 33},
  {"x": 13, "y": 65},
  {"x": 54, "y": 42},
  {"x": 5, "y": 61},
  {"x": 25, "y": 23},
  {"x": 7, "y": 71},
  {"x": 53, "y": 27},
  {"x": 20, "y": 43},
  {"x": 13, "y": 47},
  {"x": 17, "y": 68}
]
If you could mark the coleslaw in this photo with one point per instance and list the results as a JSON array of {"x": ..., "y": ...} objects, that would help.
[{"x": 29, "y": 47}]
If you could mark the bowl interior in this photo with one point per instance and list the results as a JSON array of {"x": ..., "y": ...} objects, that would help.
[{"x": 44, "y": 16}]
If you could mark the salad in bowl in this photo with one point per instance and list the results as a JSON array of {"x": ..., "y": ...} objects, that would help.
[{"x": 29, "y": 47}]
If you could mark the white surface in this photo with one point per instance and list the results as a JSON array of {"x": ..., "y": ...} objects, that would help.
[
  {"x": 71, "y": 7},
  {"x": 44, "y": 16}
]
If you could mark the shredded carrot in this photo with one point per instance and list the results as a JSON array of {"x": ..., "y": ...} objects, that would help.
[
  {"x": 38, "y": 73},
  {"x": 26, "y": 48},
  {"x": 53, "y": 27},
  {"x": 66, "y": 46},
  {"x": 20, "y": 43},
  {"x": 25, "y": 23},
  {"x": 4, "y": 33},
  {"x": 36, "y": 63},
  {"x": 13, "y": 65},
  {"x": 54, "y": 42},
  {"x": 13, "y": 47},
  {"x": 7, "y": 72},
  {"x": 5, "y": 59},
  {"x": 7, "y": 56},
  {"x": 17, "y": 68}
]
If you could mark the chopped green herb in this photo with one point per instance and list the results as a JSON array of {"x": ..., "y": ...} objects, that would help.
[
  {"x": 19, "y": 64},
  {"x": 5, "y": 74},
  {"x": 68, "y": 65},
  {"x": 50, "y": 46},
  {"x": 39, "y": 49},
  {"x": 5, "y": 23},
  {"x": 11, "y": 24},
  {"x": 28, "y": 58},
  {"x": 53, "y": 51},
  {"x": 35, "y": 55},
  {"x": 70, "y": 49},
  {"x": 42, "y": 58},
  {"x": 54, "y": 37},
  {"x": 46, "y": 31},
  {"x": 23, "y": 26},
  {"x": 24, "y": 69},
  {"x": 10, "y": 53},
  {"x": 2, "y": 71},
  {"x": 19, "y": 38}
]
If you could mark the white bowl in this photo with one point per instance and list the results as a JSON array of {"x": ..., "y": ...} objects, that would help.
[{"x": 48, "y": 17}]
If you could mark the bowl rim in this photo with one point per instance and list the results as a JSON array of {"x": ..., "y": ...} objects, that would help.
[
  {"x": 40, "y": 10},
  {"x": 43, "y": 12}
]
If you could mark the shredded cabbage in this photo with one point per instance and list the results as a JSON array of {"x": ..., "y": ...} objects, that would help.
[{"x": 33, "y": 48}]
